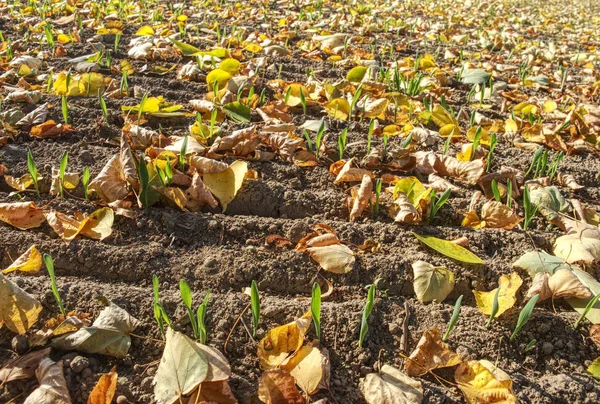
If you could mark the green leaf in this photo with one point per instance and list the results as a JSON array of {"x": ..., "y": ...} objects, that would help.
[
  {"x": 186, "y": 293},
  {"x": 186, "y": 49},
  {"x": 540, "y": 261},
  {"x": 578, "y": 304},
  {"x": 449, "y": 249},
  {"x": 475, "y": 76},
  {"x": 431, "y": 283},
  {"x": 356, "y": 74},
  {"x": 237, "y": 111},
  {"x": 594, "y": 368}
]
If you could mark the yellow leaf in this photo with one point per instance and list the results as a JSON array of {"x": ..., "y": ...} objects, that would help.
[
  {"x": 20, "y": 184},
  {"x": 356, "y": 74},
  {"x": 338, "y": 108},
  {"x": 18, "y": 309},
  {"x": 62, "y": 38},
  {"x": 80, "y": 85},
  {"x": 253, "y": 47},
  {"x": 484, "y": 135},
  {"x": 441, "y": 117},
  {"x": 277, "y": 387},
  {"x": 506, "y": 298},
  {"x": 294, "y": 99},
  {"x": 226, "y": 184},
  {"x": 483, "y": 383},
  {"x": 280, "y": 342},
  {"x": 97, "y": 226},
  {"x": 510, "y": 126},
  {"x": 450, "y": 130},
  {"x": 219, "y": 76},
  {"x": 310, "y": 368},
  {"x": 230, "y": 65},
  {"x": 449, "y": 249},
  {"x": 105, "y": 389},
  {"x": 550, "y": 106},
  {"x": 145, "y": 30},
  {"x": 29, "y": 261}
]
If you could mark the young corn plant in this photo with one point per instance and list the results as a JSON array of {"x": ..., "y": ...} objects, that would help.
[
  {"x": 524, "y": 316},
  {"x": 530, "y": 210},
  {"x": 319, "y": 138},
  {"x": 342, "y": 142},
  {"x": 376, "y": 206},
  {"x": 65, "y": 109},
  {"x": 447, "y": 142},
  {"x": 476, "y": 141},
  {"x": 160, "y": 314},
  {"x": 587, "y": 309},
  {"x": 201, "y": 316},
  {"x": 530, "y": 345},
  {"x": 370, "y": 135},
  {"x": 535, "y": 161},
  {"x": 315, "y": 308},
  {"x": 144, "y": 182},
  {"x": 85, "y": 181},
  {"x": 364, "y": 325},
  {"x": 303, "y": 102},
  {"x": 141, "y": 110},
  {"x": 496, "y": 191},
  {"x": 490, "y": 156},
  {"x": 64, "y": 160},
  {"x": 33, "y": 171},
  {"x": 50, "y": 267},
  {"x": 509, "y": 194},
  {"x": 186, "y": 296},
  {"x": 454, "y": 319},
  {"x": 103, "y": 107},
  {"x": 437, "y": 203},
  {"x": 354, "y": 101},
  {"x": 182, "y": 153},
  {"x": 254, "y": 307},
  {"x": 495, "y": 308}
]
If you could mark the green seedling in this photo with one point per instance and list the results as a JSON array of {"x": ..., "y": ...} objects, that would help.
[
  {"x": 183, "y": 152},
  {"x": 303, "y": 102},
  {"x": 186, "y": 296},
  {"x": 495, "y": 308},
  {"x": 406, "y": 142},
  {"x": 117, "y": 40},
  {"x": 85, "y": 181},
  {"x": 448, "y": 141},
  {"x": 144, "y": 182},
  {"x": 454, "y": 319},
  {"x": 201, "y": 316},
  {"x": 103, "y": 106},
  {"x": 530, "y": 345},
  {"x": 65, "y": 109},
  {"x": 342, "y": 142},
  {"x": 255, "y": 307},
  {"x": 64, "y": 160},
  {"x": 141, "y": 110},
  {"x": 124, "y": 86},
  {"x": 530, "y": 210},
  {"x": 375, "y": 207},
  {"x": 554, "y": 163},
  {"x": 354, "y": 101},
  {"x": 535, "y": 160},
  {"x": 476, "y": 141},
  {"x": 315, "y": 308},
  {"x": 496, "y": 191},
  {"x": 49, "y": 36},
  {"x": 437, "y": 203},
  {"x": 33, "y": 171},
  {"x": 364, "y": 325},
  {"x": 370, "y": 135},
  {"x": 490, "y": 156},
  {"x": 50, "y": 267},
  {"x": 309, "y": 143},
  {"x": 160, "y": 314},
  {"x": 524, "y": 316},
  {"x": 587, "y": 309},
  {"x": 288, "y": 93},
  {"x": 319, "y": 138}
]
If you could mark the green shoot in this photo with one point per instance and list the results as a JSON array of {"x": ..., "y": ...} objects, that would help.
[
  {"x": 364, "y": 325},
  {"x": 448, "y": 141},
  {"x": 530, "y": 211},
  {"x": 375, "y": 207},
  {"x": 144, "y": 182},
  {"x": 476, "y": 141},
  {"x": 524, "y": 316},
  {"x": 342, "y": 142},
  {"x": 182, "y": 153},
  {"x": 288, "y": 93},
  {"x": 160, "y": 315},
  {"x": 255, "y": 307},
  {"x": 535, "y": 160},
  {"x": 117, "y": 40},
  {"x": 319, "y": 139},
  {"x": 437, "y": 203},
  {"x": 65, "y": 109},
  {"x": 49, "y": 36},
  {"x": 103, "y": 106},
  {"x": 454, "y": 319},
  {"x": 303, "y": 101},
  {"x": 509, "y": 193},
  {"x": 201, "y": 315},
  {"x": 495, "y": 308},
  {"x": 85, "y": 180},
  {"x": 554, "y": 163},
  {"x": 370, "y": 135},
  {"x": 585, "y": 312},
  {"x": 141, "y": 110},
  {"x": 406, "y": 142},
  {"x": 33, "y": 171},
  {"x": 50, "y": 266},
  {"x": 168, "y": 172},
  {"x": 309, "y": 144},
  {"x": 186, "y": 296},
  {"x": 355, "y": 100},
  {"x": 315, "y": 308},
  {"x": 64, "y": 160},
  {"x": 124, "y": 86},
  {"x": 530, "y": 345},
  {"x": 496, "y": 191},
  {"x": 490, "y": 156}
]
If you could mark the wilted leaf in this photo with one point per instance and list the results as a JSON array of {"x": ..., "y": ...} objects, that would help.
[
  {"x": 594, "y": 368},
  {"x": 22, "y": 215},
  {"x": 562, "y": 283},
  {"x": 495, "y": 215},
  {"x": 579, "y": 305},
  {"x": 431, "y": 283},
  {"x": 282, "y": 341},
  {"x": 29, "y": 261},
  {"x": 110, "y": 184},
  {"x": 18, "y": 309},
  {"x": 35, "y": 117},
  {"x": 97, "y": 225},
  {"x": 404, "y": 211},
  {"x": 105, "y": 389},
  {"x": 212, "y": 393},
  {"x": 310, "y": 368},
  {"x": 549, "y": 201},
  {"x": 23, "y": 367},
  {"x": 335, "y": 258},
  {"x": 226, "y": 184},
  {"x": 277, "y": 386},
  {"x": 53, "y": 386},
  {"x": 295, "y": 90},
  {"x": 391, "y": 386},
  {"x": 506, "y": 298},
  {"x": 581, "y": 245},
  {"x": 362, "y": 197},
  {"x": 108, "y": 335},
  {"x": 449, "y": 249},
  {"x": 539, "y": 261},
  {"x": 237, "y": 111},
  {"x": 350, "y": 174},
  {"x": 338, "y": 108},
  {"x": 483, "y": 383},
  {"x": 431, "y": 353}
]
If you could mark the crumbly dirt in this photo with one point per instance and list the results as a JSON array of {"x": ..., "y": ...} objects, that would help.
[{"x": 223, "y": 253}]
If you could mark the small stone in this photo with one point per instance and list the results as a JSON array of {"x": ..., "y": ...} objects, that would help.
[
  {"x": 79, "y": 363},
  {"x": 122, "y": 400},
  {"x": 547, "y": 348},
  {"x": 87, "y": 372},
  {"x": 137, "y": 368},
  {"x": 394, "y": 328},
  {"x": 20, "y": 344},
  {"x": 362, "y": 358},
  {"x": 273, "y": 229},
  {"x": 147, "y": 383}
]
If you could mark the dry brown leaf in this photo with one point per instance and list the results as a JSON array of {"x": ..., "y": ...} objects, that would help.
[
  {"x": 49, "y": 129},
  {"x": 595, "y": 334},
  {"x": 431, "y": 353},
  {"x": 391, "y": 386},
  {"x": 567, "y": 180},
  {"x": 336, "y": 258},
  {"x": 21, "y": 183},
  {"x": 207, "y": 166},
  {"x": 562, "y": 283},
  {"x": 278, "y": 387},
  {"x": 483, "y": 383},
  {"x": 283, "y": 341},
  {"x": 198, "y": 195},
  {"x": 110, "y": 183},
  {"x": 493, "y": 215},
  {"x": 362, "y": 197},
  {"x": 128, "y": 166},
  {"x": 53, "y": 387},
  {"x": 105, "y": 389},
  {"x": 22, "y": 215},
  {"x": 405, "y": 212},
  {"x": 217, "y": 392},
  {"x": 97, "y": 225},
  {"x": 349, "y": 174},
  {"x": 172, "y": 196},
  {"x": 3, "y": 170},
  {"x": 23, "y": 367},
  {"x": 310, "y": 368}
]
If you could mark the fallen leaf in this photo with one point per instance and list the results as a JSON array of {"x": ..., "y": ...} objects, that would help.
[
  {"x": 579, "y": 305},
  {"x": 540, "y": 261},
  {"x": 404, "y": 211},
  {"x": 594, "y": 368},
  {"x": 49, "y": 129},
  {"x": 506, "y": 298},
  {"x": 350, "y": 174},
  {"x": 105, "y": 389},
  {"x": 310, "y": 368},
  {"x": 431, "y": 353},
  {"x": 108, "y": 335},
  {"x": 562, "y": 283},
  {"x": 18, "y": 309},
  {"x": 30, "y": 261},
  {"x": 495, "y": 215},
  {"x": 226, "y": 184},
  {"x": 391, "y": 386},
  {"x": 362, "y": 198},
  {"x": 23, "y": 367},
  {"x": 449, "y": 249},
  {"x": 110, "y": 183},
  {"x": 212, "y": 393},
  {"x": 581, "y": 245},
  {"x": 483, "y": 383},
  {"x": 594, "y": 335},
  {"x": 22, "y": 215},
  {"x": 97, "y": 225},
  {"x": 53, "y": 386},
  {"x": 282, "y": 341},
  {"x": 336, "y": 258},
  {"x": 431, "y": 283},
  {"x": 277, "y": 386}
]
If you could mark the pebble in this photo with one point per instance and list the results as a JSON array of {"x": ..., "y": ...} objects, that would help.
[
  {"x": 547, "y": 348},
  {"x": 122, "y": 400},
  {"x": 273, "y": 229},
  {"x": 79, "y": 363},
  {"x": 20, "y": 344},
  {"x": 87, "y": 372}
]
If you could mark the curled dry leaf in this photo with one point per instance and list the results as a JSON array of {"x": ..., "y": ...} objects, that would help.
[
  {"x": 336, "y": 258},
  {"x": 493, "y": 215},
  {"x": 391, "y": 386},
  {"x": 567, "y": 180},
  {"x": 483, "y": 383},
  {"x": 506, "y": 298},
  {"x": 468, "y": 171},
  {"x": 539, "y": 261},
  {"x": 431, "y": 282},
  {"x": 105, "y": 389},
  {"x": 362, "y": 197},
  {"x": 431, "y": 353},
  {"x": 225, "y": 185},
  {"x": 310, "y": 368},
  {"x": 110, "y": 183},
  {"x": 18, "y": 309},
  {"x": 282, "y": 341},
  {"x": 97, "y": 225},
  {"x": 217, "y": 392},
  {"x": 29, "y": 261},
  {"x": 562, "y": 283},
  {"x": 23, "y": 367},
  {"x": 349, "y": 174},
  {"x": 198, "y": 195},
  {"x": 207, "y": 166},
  {"x": 53, "y": 386},
  {"x": 69, "y": 181},
  {"x": 49, "y": 129},
  {"x": 594, "y": 335},
  {"x": 581, "y": 245},
  {"x": 22, "y": 215},
  {"x": 277, "y": 386},
  {"x": 405, "y": 211}
]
